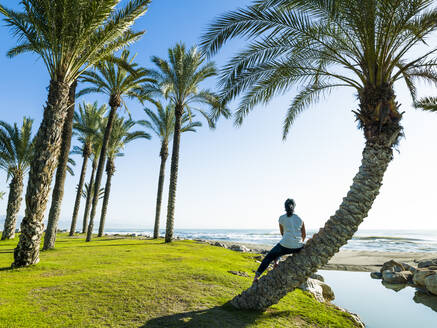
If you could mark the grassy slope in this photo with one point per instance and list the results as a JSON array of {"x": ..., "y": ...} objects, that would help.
[{"x": 142, "y": 283}]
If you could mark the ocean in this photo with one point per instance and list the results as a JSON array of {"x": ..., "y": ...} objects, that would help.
[{"x": 364, "y": 240}]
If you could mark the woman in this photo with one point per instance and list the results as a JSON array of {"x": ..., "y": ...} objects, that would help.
[{"x": 293, "y": 235}]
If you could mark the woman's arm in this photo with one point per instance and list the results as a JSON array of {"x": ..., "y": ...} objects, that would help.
[
  {"x": 281, "y": 229},
  {"x": 303, "y": 231}
]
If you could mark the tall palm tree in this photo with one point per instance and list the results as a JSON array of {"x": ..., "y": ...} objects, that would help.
[
  {"x": 178, "y": 79},
  {"x": 322, "y": 45},
  {"x": 117, "y": 80},
  {"x": 69, "y": 36},
  {"x": 162, "y": 124},
  {"x": 121, "y": 135},
  {"x": 16, "y": 154},
  {"x": 61, "y": 172},
  {"x": 86, "y": 124}
]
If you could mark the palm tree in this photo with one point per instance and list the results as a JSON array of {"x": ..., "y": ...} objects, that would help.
[
  {"x": 323, "y": 45},
  {"x": 162, "y": 124},
  {"x": 87, "y": 192},
  {"x": 117, "y": 80},
  {"x": 86, "y": 124},
  {"x": 121, "y": 135},
  {"x": 69, "y": 36},
  {"x": 61, "y": 172},
  {"x": 178, "y": 80},
  {"x": 16, "y": 153}
]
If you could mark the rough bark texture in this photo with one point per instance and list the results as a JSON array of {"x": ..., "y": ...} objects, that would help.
[
  {"x": 61, "y": 172},
  {"x": 86, "y": 155},
  {"x": 173, "y": 174},
  {"x": 47, "y": 143},
  {"x": 89, "y": 198},
  {"x": 336, "y": 232},
  {"x": 163, "y": 154},
  {"x": 14, "y": 203},
  {"x": 114, "y": 102},
  {"x": 110, "y": 170}
]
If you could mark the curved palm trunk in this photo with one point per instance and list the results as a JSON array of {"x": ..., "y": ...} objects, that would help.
[
  {"x": 89, "y": 198},
  {"x": 173, "y": 174},
  {"x": 337, "y": 231},
  {"x": 47, "y": 142},
  {"x": 164, "y": 155},
  {"x": 110, "y": 170},
  {"x": 14, "y": 203},
  {"x": 86, "y": 155},
  {"x": 114, "y": 103},
  {"x": 61, "y": 172}
]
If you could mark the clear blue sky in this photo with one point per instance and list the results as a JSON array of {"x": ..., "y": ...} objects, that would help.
[{"x": 239, "y": 178}]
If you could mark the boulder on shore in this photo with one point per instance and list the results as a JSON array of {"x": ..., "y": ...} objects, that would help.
[
  {"x": 393, "y": 266},
  {"x": 376, "y": 275},
  {"x": 431, "y": 284},
  {"x": 420, "y": 275},
  {"x": 427, "y": 263},
  {"x": 402, "y": 277},
  {"x": 321, "y": 291},
  {"x": 219, "y": 244},
  {"x": 239, "y": 248}
]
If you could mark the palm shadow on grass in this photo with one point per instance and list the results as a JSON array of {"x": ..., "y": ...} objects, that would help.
[{"x": 224, "y": 316}]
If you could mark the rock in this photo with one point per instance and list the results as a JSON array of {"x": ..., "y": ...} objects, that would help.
[
  {"x": 317, "y": 277},
  {"x": 425, "y": 299},
  {"x": 239, "y": 273},
  {"x": 427, "y": 263},
  {"x": 258, "y": 257},
  {"x": 392, "y": 266},
  {"x": 239, "y": 248},
  {"x": 394, "y": 287},
  {"x": 376, "y": 275},
  {"x": 219, "y": 244},
  {"x": 133, "y": 234},
  {"x": 354, "y": 316},
  {"x": 396, "y": 277},
  {"x": 420, "y": 275},
  {"x": 408, "y": 267},
  {"x": 321, "y": 291},
  {"x": 431, "y": 284}
]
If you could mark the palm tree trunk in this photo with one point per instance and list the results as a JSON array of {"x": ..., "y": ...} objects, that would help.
[
  {"x": 163, "y": 154},
  {"x": 173, "y": 174},
  {"x": 79, "y": 191},
  {"x": 89, "y": 197},
  {"x": 14, "y": 203},
  {"x": 61, "y": 171},
  {"x": 337, "y": 231},
  {"x": 114, "y": 103},
  {"x": 110, "y": 169},
  {"x": 47, "y": 142}
]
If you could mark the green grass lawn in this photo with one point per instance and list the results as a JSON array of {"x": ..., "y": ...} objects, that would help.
[{"x": 128, "y": 282}]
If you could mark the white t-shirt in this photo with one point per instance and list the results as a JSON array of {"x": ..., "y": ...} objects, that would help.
[{"x": 292, "y": 225}]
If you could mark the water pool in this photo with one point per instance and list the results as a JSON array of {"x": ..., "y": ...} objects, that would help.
[{"x": 379, "y": 306}]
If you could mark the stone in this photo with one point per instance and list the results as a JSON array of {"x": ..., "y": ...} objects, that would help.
[
  {"x": 239, "y": 273},
  {"x": 355, "y": 317},
  {"x": 321, "y": 291},
  {"x": 408, "y": 267},
  {"x": 392, "y": 266},
  {"x": 427, "y": 263},
  {"x": 376, "y": 275},
  {"x": 239, "y": 248},
  {"x": 219, "y": 244},
  {"x": 391, "y": 277},
  {"x": 258, "y": 257},
  {"x": 317, "y": 277},
  {"x": 420, "y": 275},
  {"x": 431, "y": 284},
  {"x": 133, "y": 234}
]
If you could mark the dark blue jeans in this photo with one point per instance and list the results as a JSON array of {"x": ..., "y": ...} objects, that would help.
[{"x": 275, "y": 253}]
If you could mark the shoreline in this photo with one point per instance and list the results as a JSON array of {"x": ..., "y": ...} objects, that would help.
[{"x": 349, "y": 260}]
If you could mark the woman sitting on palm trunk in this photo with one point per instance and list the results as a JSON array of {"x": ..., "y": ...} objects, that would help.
[{"x": 293, "y": 235}]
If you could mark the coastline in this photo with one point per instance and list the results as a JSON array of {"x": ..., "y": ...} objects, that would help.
[{"x": 349, "y": 260}]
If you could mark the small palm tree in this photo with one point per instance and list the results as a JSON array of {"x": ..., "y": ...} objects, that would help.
[
  {"x": 162, "y": 124},
  {"x": 319, "y": 46},
  {"x": 117, "y": 80},
  {"x": 16, "y": 154},
  {"x": 69, "y": 36},
  {"x": 121, "y": 135},
  {"x": 178, "y": 80},
  {"x": 87, "y": 122},
  {"x": 87, "y": 192}
]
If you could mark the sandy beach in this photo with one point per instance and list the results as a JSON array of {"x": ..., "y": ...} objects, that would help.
[{"x": 360, "y": 261}]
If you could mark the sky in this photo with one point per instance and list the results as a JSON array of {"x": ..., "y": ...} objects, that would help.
[{"x": 239, "y": 178}]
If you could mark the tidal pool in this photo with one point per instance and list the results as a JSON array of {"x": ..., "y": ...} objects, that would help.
[{"x": 381, "y": 306}]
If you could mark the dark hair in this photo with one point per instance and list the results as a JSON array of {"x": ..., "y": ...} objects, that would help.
[{"x": 289, "y": 206}]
